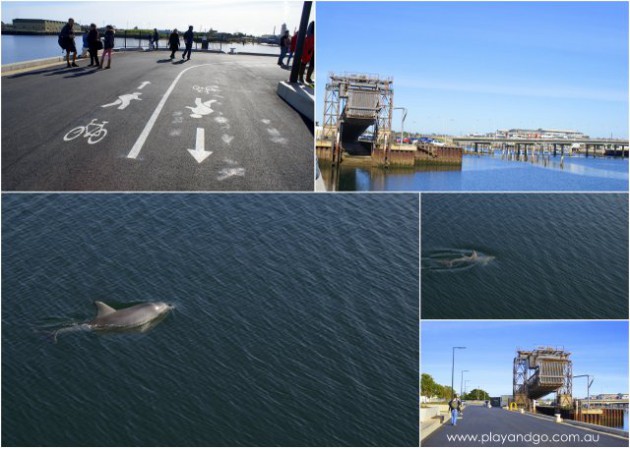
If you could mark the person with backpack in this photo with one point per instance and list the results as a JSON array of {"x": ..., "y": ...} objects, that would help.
[
  {"x": 285, "y": 44},
  {"x": 173, "y": 42},
  {"x": 188, "y": 40},
  {"x": 94, "y": 42},
  {"x": 66, "y": 42},
  {"x": 454, "y": 406},
  {"x": 108, "y": 46}
]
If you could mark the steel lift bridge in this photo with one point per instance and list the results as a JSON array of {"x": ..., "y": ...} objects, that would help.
[
  {"x": 540, "y": 372},
  {"x": 358, "y": 116}
]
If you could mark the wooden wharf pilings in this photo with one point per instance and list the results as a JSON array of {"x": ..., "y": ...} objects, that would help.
[
  {"x": 399, "y": 156},
  {"x": 609, "y": 417}
]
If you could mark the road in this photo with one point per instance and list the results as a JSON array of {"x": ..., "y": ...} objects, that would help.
[
  {"x": 214, "y": 123},
  {"x": 499, "y": 427}
]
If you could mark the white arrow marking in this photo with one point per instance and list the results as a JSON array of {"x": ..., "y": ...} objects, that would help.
[
  {"x": 199, "y": 153},
  {"x": 137, "y": 147},
  {"x": 227, "y": 139},
  {"x": 144, "y": 83}
]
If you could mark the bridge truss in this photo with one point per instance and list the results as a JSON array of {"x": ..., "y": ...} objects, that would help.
[
  {"x": 540, "y": 372},
  {"x": 355, "y": 104}
]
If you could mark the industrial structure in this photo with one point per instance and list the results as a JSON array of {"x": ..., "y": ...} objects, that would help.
[
  {"x": 358, "y": 116},
  {"x": 540, "y": 372}
]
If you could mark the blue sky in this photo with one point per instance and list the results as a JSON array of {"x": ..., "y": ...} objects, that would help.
[
  {"x": 251, "y": 17},
  {"x": 598, "y": 348},
  {"x": 475, "y": 67}
]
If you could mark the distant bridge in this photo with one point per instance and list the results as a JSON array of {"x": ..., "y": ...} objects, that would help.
[
  {"x": 538, "y": 141},
  {"x": 609, "y": 147}
]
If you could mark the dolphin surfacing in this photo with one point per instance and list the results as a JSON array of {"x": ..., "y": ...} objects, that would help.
[
  {"x": 463, "y": 259},
  {"x": 135, "y": 319},
  {"x": 135, "y": 316}
]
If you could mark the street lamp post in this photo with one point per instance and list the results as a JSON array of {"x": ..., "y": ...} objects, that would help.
[
  {"x": 461, "y": 384},
  {"x": 402, "y": 124},
  {"x": 453, "y": 370},
  {"x": 589, "y": 381}
]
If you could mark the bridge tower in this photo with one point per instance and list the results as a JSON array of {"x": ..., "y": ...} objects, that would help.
[
  {"x": 358, "y": 112},
  {"x": 540, "y": 372}
]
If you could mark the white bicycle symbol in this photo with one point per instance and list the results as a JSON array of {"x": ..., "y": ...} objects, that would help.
[{"x": 93, "y": 132}]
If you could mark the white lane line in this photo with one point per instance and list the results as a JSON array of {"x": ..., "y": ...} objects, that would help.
[{"x": 137, "y": 147}]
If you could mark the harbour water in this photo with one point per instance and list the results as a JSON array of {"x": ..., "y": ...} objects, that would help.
[
  {"x": 295, "y": 321},
  {"x": 487, "y": 173},
  {"x": 17, "y": 48},
  {"x": 538, "y": 256}
]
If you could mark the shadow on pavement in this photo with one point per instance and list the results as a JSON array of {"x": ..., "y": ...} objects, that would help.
[
  {"x": 84, "y": 72},
  {"x": 46, "y": 72},
  {"x": 162, "y": 61}
]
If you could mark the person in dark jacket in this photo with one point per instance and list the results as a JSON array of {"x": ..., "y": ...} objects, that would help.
[
  {"x": 188, "y": 40},
  {"x": 173, "y": 42},
  {"x": 109, "y": 45},
  {"x": 156, "y": 38},
  {"x": 66, "y": 40},
  {"x": 93, "y": 44}
]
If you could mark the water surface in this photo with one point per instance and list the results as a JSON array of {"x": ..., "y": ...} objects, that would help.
[
  {"x": 552, "y": 256},
  {"x": 18, "y": 48},
  {"x": 487, "y": 173},
  {"x": 295, "y": 321}
]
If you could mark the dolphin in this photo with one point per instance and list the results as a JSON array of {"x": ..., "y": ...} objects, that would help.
[
  {"x": 138, "y": 318},
  {"x": 474, "y": 258}
]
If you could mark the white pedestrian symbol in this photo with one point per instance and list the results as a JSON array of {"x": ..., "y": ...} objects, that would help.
[
  {"x": 201, "y": 108},
  {"x": 124, "y": 100}
]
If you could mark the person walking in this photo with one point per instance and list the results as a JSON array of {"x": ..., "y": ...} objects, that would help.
[
  {"x": 156, "y": 38},
  {"x": 292, "y": 47},
  {"x": 285, "y": 43},
  {"x": 308, "y": 55},
  {"x": 109, "y": 45},
  {"x": 66, "y": 40},
  {"x": 173, "y": 42},
  {"x": 454, "y": 406},
  {"x": 84, "y": 50},
  {"x": 94, "y": 42},
  {"x": 188, "y": 40}
]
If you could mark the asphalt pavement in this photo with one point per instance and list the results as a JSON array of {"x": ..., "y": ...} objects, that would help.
[
  {"x": 214, "y": 123},
  {"x": 483, "y": 427}
]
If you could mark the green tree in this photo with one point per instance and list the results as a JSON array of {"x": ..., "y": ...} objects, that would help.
[
  {"x": 476, "y": 395},
  {"x": 427, "y": 385}
]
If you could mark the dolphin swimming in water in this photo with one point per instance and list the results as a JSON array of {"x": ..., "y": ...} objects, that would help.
[
  {"x": 474, "y": 258},
  {"x": 138, "y": 318}
]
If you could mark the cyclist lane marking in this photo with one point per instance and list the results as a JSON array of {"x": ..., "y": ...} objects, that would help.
[{"x": 137, "y": 147}]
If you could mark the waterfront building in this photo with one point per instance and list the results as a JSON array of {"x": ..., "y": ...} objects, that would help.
[
  {"x": 540, "y": 133},
  {"x": 37, "y": 26}
]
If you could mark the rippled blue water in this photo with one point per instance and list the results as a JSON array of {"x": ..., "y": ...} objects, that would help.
[
  {"x": 296, "y": 320},
  {"x": 485, "y": 173},
  {"x": 554, "y": 256},
  {"x": 26, "y": 48}
]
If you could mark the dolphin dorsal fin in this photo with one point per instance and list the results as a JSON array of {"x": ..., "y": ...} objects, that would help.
[{"x": 103, "y": 309}]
